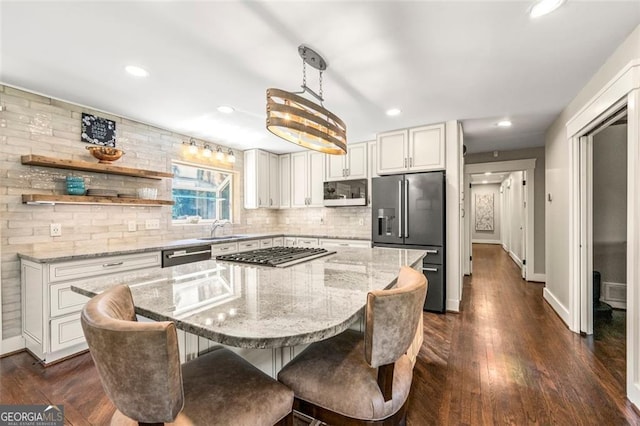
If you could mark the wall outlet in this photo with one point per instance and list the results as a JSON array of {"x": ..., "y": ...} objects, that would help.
[
  {"x": 55, "y": 230},
  {"x": 152, "y": 224},
  {"x": 132, "y": 226}
]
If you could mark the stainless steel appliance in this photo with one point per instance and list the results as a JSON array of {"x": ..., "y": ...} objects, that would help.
[
  {"x": 185, "y": 255},
  {"x": 345, "y": 193},
  {"x": 408, "y": 211},
  {"x": 279, "y": 257}
]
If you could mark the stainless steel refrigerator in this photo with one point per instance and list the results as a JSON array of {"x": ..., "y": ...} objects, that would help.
[{"x": 408, "y": 211}]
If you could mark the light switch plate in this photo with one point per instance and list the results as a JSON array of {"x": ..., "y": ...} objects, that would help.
[{"x": 132, "y": 226}]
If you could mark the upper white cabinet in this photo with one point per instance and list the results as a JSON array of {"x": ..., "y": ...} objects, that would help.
[
  {"x": 307, "y": 178},
  {"x": 261, "y": 179},
  {"x": 411, "y": 150},
  {"x": 353, "y": 165},
  {"x": 285, "y": 180}
]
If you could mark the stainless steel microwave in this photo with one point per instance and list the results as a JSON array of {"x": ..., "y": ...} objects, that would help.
[{"x": 345, "y": 193}]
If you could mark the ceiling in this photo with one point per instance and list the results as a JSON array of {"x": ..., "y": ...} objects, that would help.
[
  {"x": 477, "y": 62},
  {"x": 488, "y": 178}
]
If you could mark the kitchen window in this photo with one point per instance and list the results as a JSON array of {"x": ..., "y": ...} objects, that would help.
[{"x": 201, "y": 191}]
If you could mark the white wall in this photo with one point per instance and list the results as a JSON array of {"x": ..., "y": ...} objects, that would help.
[
  {"x": 558, "y": 178},
  {"x": 488, "y": 237}
]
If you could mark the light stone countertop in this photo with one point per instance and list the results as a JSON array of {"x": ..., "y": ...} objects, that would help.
[
  {"x": 262, "y": 307},
  {"x": 90, "y": 252}
]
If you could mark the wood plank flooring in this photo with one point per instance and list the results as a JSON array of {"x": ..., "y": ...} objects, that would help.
[{"x": 506, "y": 358}]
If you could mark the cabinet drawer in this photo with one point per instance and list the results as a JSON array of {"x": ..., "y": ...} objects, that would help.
[
  {"x": 306, "y": 242},
  {"x": 66, "y": 332},
  {"x": 223, "y": 249},
  {"x": 330, "y": 242},
  {"x": 103, "y": 265},
  {"x": 266, "y": 243},
  {"x": 64, "y": 301},
  {"x": 278, "y": 242},
  {"x": 248, "y": 245}
]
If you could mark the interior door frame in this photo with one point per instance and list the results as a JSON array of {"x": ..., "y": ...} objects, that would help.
[
  {"x": 623, "y": 89},
  {"x": 527, "y": 165}
]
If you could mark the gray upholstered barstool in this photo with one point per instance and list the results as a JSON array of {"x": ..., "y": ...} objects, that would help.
[
  {"x": 363, "y": 379},
  {"x": 139, "y": 366}
]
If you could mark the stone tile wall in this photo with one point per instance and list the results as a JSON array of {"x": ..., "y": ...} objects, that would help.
[{"x": 34, "y": 124}]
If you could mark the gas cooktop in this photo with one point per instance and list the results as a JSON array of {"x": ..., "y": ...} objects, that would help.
[{"x": 279, "y": 257}]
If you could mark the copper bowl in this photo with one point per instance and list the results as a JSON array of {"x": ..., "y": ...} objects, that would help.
[{"x": 105, "y": 154}]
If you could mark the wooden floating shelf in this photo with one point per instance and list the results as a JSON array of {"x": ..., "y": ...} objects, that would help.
[
  {"x": 39, "y": 160},
  {"x": 83, "y": 199}
]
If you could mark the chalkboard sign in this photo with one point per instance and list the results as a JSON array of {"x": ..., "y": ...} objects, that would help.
[{"x": 98, "y": 130}]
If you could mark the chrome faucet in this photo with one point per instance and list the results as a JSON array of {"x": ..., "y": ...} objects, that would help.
[{"x": 218, "y": 224}]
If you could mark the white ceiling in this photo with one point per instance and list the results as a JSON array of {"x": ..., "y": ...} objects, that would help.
[
  {"x": 475, "y": 61},
  {"x": 491, "y": 178}
]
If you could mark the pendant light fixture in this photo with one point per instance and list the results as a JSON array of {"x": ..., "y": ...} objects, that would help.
[{"x": 301, "y": 121}]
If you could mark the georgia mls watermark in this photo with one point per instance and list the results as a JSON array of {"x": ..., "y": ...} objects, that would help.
[{"x": 31, "y": 415}]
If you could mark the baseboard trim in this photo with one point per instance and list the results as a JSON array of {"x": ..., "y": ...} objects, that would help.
[
  {"x": 555, "y": 304},
  {"x": 453, "y": 305},
  {"x": 515, "y": 259},
  {"x": 486, "y": 242},
  {"x": 539, "y": 278},
  {"x": 12, "y": 344}
]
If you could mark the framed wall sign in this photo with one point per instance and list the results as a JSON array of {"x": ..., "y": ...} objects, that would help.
[{"x": 98, "y": 130}]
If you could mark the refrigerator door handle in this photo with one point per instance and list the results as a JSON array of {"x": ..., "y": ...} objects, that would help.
[
  {"x": 399, "y": 209},
  {"x": 406, "y": 208},
  {"x": 430, "y": 269}
]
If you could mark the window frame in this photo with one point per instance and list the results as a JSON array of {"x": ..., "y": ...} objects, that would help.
[{"x": 230, "y": 177}]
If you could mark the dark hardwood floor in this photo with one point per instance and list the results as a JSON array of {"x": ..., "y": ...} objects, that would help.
[{"x": 506, "y": 358}]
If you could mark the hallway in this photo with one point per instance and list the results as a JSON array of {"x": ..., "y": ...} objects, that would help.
[{"x": 508, "y": 359}]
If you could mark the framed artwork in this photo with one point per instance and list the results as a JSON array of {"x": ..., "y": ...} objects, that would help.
[
  {"x": 484, "y": 212},
  {"x": 98, "y": 130}
]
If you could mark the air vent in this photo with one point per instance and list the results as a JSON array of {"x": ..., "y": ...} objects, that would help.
[{"x": 615, "y": 292}]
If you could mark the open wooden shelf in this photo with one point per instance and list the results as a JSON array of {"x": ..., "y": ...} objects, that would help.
[
  {"x": 39, "y": 160},
  {"x": 83, "y": 199}
]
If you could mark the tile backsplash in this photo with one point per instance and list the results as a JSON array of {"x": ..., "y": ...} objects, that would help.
[{"x": 35, "y": 124}]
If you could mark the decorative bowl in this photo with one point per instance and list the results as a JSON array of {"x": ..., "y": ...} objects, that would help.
[{"x": 105, "y": 154}]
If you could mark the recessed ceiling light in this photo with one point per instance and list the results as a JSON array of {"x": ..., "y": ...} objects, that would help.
[
  {"x": 393, "y": 112},
  {"x": 504, "y": 123},
  {"x": 543, "y": 7},
  {"x": 136, "y": 71},
  {"x": 226, "y": 109}
]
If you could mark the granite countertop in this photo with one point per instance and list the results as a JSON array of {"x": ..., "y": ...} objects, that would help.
[
  {"x": 89, "y": 252},
  {"x": 262, "y": 307}
]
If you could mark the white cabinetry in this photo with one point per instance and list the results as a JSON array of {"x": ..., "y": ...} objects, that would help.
[
  {"x": 334, "y": 242},
  {"x": 51, "y": 311},
  {"x": 306, "y": 242},
  {"x": 353, "y": 165},
  {"x": 261, "y": 179},
  {"x": 285, "y": 180},
  {"x": 411, "y": 150},
  {"x": 307, "y": 177}
]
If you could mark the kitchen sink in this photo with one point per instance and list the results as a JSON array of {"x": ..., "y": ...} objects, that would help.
[{"x": 222, "y": 237}]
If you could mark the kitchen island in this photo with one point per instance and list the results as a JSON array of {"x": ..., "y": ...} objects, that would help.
[
  {"x": 269, "y": 311},
  {"x": 262, "y": 307}
]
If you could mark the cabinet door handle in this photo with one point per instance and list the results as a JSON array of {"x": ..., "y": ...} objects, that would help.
[
  {"x": 410, "y": 161},
  {"x": 348, "y": 172},
  {"x": 430, "y": 269},
  {"x": 183, "y": 253},
  {"x": 109, "y": 265},
  {"x": 405, "y": 162},
  {"x": 259, "y": 201}
]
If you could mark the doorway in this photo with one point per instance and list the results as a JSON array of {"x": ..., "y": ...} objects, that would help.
[{"x": 516, "y": 227}]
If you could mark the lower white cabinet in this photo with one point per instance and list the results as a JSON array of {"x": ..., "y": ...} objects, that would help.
[
  {"x": 334, "y": 242},
  {"x": 51, "y": 311},
  {"x": 306, "y": 242},
  {"x": 248, "y": 245}
]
